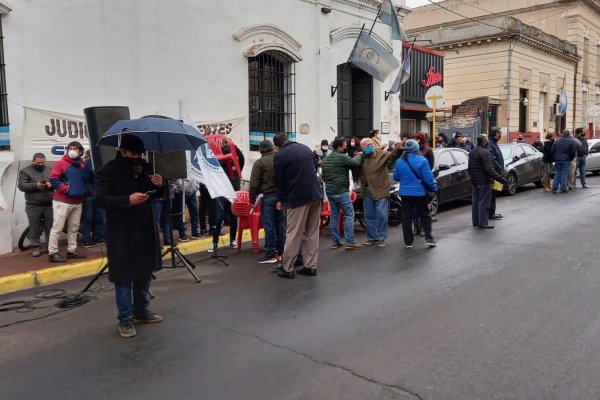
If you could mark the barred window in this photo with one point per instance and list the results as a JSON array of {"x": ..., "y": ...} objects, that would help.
[
  {"x": 4, "y": 144},
  {"x": 272, "y": 97}
]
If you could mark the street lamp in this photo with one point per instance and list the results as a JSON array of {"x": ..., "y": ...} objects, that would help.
[{"x": 525, "y": 101}]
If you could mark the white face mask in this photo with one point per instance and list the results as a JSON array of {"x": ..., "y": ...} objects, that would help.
[
  {"x": 352, "y": 144},
  {"x": 324, "y": 148},
  {"x": 73, "y": 154}
]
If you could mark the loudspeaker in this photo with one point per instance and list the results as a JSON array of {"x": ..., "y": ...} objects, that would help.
[
  {"x": 98, "y": 120},
  {"x": 171, "y": 165}
]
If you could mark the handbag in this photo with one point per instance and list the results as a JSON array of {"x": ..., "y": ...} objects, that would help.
[{"x": 430, "y": 194}]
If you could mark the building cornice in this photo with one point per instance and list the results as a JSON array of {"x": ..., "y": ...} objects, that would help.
[
  {"x": 259, "y": 38},
  {"x": 352, "y": 32}
]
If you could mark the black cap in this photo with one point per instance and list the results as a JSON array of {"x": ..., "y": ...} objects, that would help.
[
  {"x": 132, "y": 143},
  {"x": 324, "y": 142}
]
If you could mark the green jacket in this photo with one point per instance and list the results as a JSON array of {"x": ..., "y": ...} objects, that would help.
[
  {"x": 374, "y": 173},
  {"x": 261, "y": 178},
  {"x": 336, "y": 169}
]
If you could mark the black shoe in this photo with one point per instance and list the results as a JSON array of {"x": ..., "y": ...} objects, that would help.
[
  {"x": 430, "y": 242},
  {"x": 147, "y": 316},
  {"x": 126, "y": 328},
  {"x": 87, "y": 244},
  {"x": 57, "y": 258},
  {"x": 495, "y": 216},
  {"x": 75, "y": 255},
  {"x": 486, "y": 227},
  {"x": 308, "y": 271},
  {"x": 299, "y": 262},
  {"x": 284, "y": 274},
  {"x": 100, "y": 241}
]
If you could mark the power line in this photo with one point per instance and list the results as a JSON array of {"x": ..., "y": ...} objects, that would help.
[
  {"x": 465, "y": 17},
  {"x": 474, "y": 6}
]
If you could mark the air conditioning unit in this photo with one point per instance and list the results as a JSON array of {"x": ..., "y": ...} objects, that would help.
[{"x": 556, "y": 109}]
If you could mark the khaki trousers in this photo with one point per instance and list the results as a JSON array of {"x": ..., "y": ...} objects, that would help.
[
  {"x": 302, "y": 221},
  {"x": 571, "y": 177},
  {"x": 69, "y": 213}
]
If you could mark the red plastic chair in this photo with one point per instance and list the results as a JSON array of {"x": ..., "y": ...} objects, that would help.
[
  {"x": 241, "y": 208},
  {"x": 230, "y": 160},
  {"x": 325, "y": 213}
]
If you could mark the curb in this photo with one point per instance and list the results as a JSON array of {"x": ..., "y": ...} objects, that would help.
[{"x": 62, "y": 273}]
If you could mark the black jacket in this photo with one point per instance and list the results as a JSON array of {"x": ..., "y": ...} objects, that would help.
[
  {"x": 547, "y": 159},
  {"x": 564, "y": 149},
  {"x": 481, "y": 167},
  {"x": 582, "y": 150},
  {"x": 295, "y": 175},
  {"x": 132, "y": 242},
  {"x": 497, "y": 157}
]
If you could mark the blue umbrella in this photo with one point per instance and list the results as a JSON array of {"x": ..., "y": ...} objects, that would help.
[{"x": 159, "y": 134}]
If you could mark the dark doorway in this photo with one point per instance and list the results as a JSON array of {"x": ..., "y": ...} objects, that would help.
[
  {"x": 355, "y": 102},
  {"x": 523, "y": 115}
]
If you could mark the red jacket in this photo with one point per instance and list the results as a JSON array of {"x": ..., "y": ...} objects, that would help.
[{"x": 68, "y": 180}]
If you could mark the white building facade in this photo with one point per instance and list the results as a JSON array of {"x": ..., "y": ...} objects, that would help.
[{"x": 245, "y": 68}]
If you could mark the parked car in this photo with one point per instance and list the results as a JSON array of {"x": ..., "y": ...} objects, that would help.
[
  {"x": 522, "y": 165},
  {"x": 592, "y": 163},
  {"x": 451, "y": 169}
]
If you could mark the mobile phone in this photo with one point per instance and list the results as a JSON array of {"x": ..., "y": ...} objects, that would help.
[
  {"x": 43, "y": 181},
  {"x": 149, "y": 192}
]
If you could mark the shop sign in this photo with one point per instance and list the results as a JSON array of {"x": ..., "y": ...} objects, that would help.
[{"x": 432, "y": 77}]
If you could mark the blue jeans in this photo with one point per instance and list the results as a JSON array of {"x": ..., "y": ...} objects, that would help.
[
  {"x": 561, "y": 172},
  {"x": 480, "y": 204},
  {"x": 336, "y": 202},
  {"x": 222, "y": 207},
  {"x": 132, "y": 297},
  {"x": 272, "y": 220},
  {"x": 376, "y": 216},
  {"x": 163, "y": 220},
  {"x": 93, "y": 220},
  {"x": 581, "y": 168}
]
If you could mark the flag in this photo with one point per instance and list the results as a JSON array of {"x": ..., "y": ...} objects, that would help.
[
  {"x": 563, "y": 102},
  {"x": 373, "y": 58},
  {"x": 403, "y": 74},
  {"x": 204, "y": 166},
  {"x": 388, "y": 16}
]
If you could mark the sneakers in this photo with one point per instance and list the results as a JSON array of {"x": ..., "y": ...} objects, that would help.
[
  {"x": 352, "y": 246},
  {"x": 36, "y": 252},
  {"x": 381, "y": 243},
  {"x": 585, "y": 186},
  {"x": 336, "y": 245},
  {"x": 308, "y": 271},
  {"x": 195, "y": 236},
  {"x": 408, "y": 246},
  {"x": 266, "y": 259},
  {"x": 212, "y": 247},
  {"x": 147, "y": 317},
  {"x": 126, "y": 328},
  {"x": 100, "y": 241},
  {"x": 430, "y": 242},
  {"x": 370, "y": 242},
  {"x": 87, "y": 244},
  {"x": 57, "y": 258},
  {"x": 284, "y": 274},
  {"x": 75, "y": 255},
  {"x": 183, "y": 239},
  {"x": 233, "y": 245}
]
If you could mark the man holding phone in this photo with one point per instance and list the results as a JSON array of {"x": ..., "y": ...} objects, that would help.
[
  {"x": 33, "y": 181},
  {"x": 125, "y": 187}
]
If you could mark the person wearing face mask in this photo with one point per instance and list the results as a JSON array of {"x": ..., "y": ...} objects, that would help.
[
  {"x": 125, "y": 187},
  {"x": 321, "y": 152},
  {"x": 375, "y": 136},
  {"x": 69, "y": 180},
  {"x": 33, "y": 181},
  {"x": 353, "y": 146},
  {"x": 375, "y": 187}
]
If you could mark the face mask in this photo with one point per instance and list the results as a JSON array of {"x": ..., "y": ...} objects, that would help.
[
  {"x": 133, "y": 161},
  {"x": 324, "y": 148},
  {"x": 38, "y": 167},
  {"x": 370, "y": 149},
  {"x": 352, "y": 144},
  {"x": 73, "y": 154},
  {"x": 421, "y": 147}
]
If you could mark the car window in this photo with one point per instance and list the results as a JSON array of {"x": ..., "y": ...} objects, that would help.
[
  {"x": 461, "y": 157},
  {"x": 518, "y": 151},
  {"x": 596, "y": 147},
  {"x": 528, "y": 150},
  {"x": 445, "y": 158},
  {"x": 505, "y": 151}
]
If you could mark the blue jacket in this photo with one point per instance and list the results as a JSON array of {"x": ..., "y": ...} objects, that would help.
[
  {"x": 497, "y": 157},
  {"x": 410, "y": 185},
  {"x": 564, "y": 149}
]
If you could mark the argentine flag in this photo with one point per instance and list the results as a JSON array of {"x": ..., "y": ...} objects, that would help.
[{"x": 388, "y": 16}]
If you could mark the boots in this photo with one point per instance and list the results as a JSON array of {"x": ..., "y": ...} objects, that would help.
[{"x": 547, "y": 188}]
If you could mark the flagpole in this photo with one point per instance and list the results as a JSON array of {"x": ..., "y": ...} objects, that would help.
[
  {"x": 334, "y": 88},
  {"x": 375, "y": 20},
  {"x": 387, "y": 94}
]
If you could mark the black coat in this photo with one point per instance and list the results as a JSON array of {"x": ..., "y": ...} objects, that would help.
[
  {"x": 131, "y": 231},
  {"x": 481, "y": 167},
  {"x": 497, "y": 157},
  {"x": 547, "y": 159},
  {"x": 295, "y": 175}
]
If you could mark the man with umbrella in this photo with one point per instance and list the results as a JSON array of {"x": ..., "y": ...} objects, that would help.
[{"x": 124, "y": 187}]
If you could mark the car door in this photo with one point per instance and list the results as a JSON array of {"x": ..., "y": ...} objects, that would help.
[
  {"x": 532, "y": 173},
  {"x": 463, "y": 184},
  {"x": 593, "y": 159},
  {"x": 446, "y": 179},
  {"x": 518, "y": 163}
]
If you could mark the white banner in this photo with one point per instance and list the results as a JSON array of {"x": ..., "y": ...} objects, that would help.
[
  {"x": 203, "y": 166},
  {"x": 49, "y": 132}
]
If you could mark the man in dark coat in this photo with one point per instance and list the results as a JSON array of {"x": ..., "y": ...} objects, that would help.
[
  {"x": 482, "y": 173},
  {"x": 124, "y": 187},
  {"x": 564, "y": 150},
  {"x": 582, "y": 153},
  {"x": 297, "y": 185},
  {"x": 498, "y": 162}
]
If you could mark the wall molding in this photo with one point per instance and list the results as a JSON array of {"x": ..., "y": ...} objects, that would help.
[
  {"x": 260, "y": 38},
  {"x": 352, "y": 32}
]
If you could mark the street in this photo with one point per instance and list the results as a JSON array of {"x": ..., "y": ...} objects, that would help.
[{"x": 508, "y": 313}]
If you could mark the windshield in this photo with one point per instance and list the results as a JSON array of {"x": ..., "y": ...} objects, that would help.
[{"x": 506, "y": 150}]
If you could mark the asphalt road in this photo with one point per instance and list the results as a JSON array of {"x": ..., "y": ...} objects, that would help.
[{"x": 509, "y": 313}]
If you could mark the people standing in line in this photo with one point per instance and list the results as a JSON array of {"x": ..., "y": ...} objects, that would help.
[
  {"x": 548, "y": 161},
  {"x": 375, "y": 188},
  {"x": 34, "y": 182},
  {"x": 297, "y": 185},
  {"x": 261, "y": 182},
  {"x": 336, "y": 169},
  {"x": 125, "y": 187},
  {"x": 93, "y": 218},
  {"x": 69, "y": 181},
  {"x": 483, "y": 174},
  {"x": 498, "y": 162},
  {"x": 582, "y": 153},
  {"x": 416, "y": 179},
  {"x": 564, "y": 151}
]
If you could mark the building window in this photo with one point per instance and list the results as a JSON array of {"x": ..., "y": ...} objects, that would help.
[
  {"x": 586, "y": 60},
  {"x": 584, "y": 107},
  {"x": 4, "y": 124},
  {"x": 272, "y": 97}
]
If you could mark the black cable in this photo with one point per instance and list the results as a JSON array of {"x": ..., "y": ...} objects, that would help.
[{"x": 465, "y": 17}]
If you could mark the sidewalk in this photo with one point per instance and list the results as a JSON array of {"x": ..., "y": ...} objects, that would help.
[{"x": 20, "y": 271}]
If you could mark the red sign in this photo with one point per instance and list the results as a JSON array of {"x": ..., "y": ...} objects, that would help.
[{"x": 432, "y": 77}]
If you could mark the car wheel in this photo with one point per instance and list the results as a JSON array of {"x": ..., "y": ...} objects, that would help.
[
  {"x": 433, "y": 205},
  {"x": 511, "y": 184},
  {"x": 596, "y": 172},
  {"x": 540, "y": 183}
]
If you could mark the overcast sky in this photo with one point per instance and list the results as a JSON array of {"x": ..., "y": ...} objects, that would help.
[{"x": 417, "y": 3}]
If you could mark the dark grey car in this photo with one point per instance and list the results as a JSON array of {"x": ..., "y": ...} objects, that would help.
[{"x": 522, "y": 165}]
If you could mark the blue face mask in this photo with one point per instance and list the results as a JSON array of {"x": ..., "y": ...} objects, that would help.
[
  {"x": 421, "y": 147},
  {"x": 370, "y": 149}
]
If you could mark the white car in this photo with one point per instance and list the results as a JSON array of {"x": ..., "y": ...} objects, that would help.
[{"x": 592, "y": 163}]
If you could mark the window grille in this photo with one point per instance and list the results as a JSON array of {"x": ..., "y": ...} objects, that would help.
[
  {"x": 272, "y": 97},
  {"x": 4, "y": 124}
]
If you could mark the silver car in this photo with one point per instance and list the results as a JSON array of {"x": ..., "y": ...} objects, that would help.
[{"x": 592, "y": 163}]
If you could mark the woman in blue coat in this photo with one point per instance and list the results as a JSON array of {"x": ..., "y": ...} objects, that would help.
[{"x": 413, "y": 172}]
